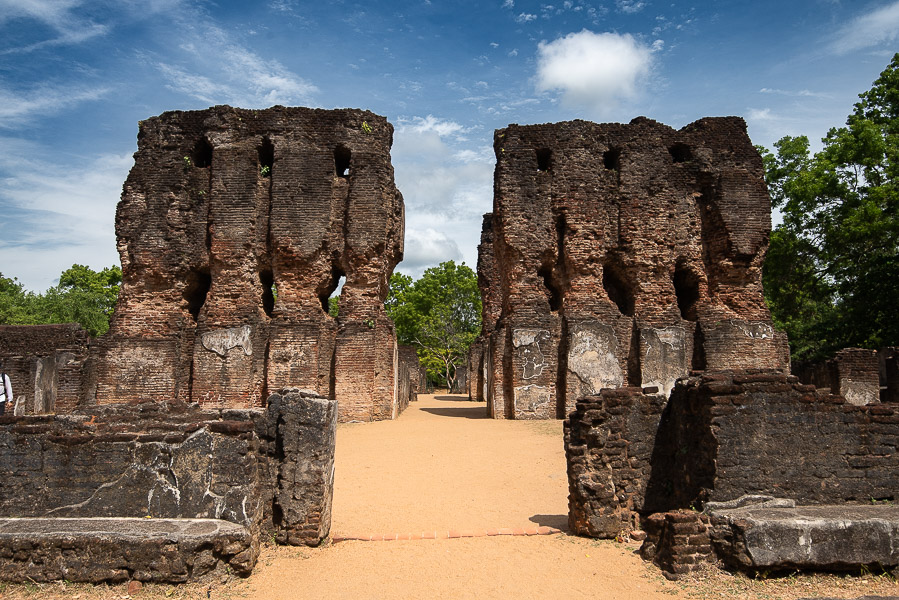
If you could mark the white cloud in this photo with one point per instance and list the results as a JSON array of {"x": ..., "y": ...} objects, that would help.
[
  {"x": 228, "y": 73},
  {"x": 798, "y": 94},
  {"x": 430, "y": 123},
  {"x": 760, "y": 114},
  {"x": 509, "y": 4},
  {"x": 64, "y": 213},
  {"x": 447, "y": 184},
  {"x": 525, "y": 18},
  {"x": 630, "y": 6},
  {"x": 427, "y": 248},
  {"x": 870, "y": 29},
  {"x": 57, "y": 15},
  {"x": 593, "y": 70},
  {"x": 17, "y": 108}
]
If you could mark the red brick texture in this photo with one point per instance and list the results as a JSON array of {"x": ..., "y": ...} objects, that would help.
[
  {"x": 621, "y": 255},
  {"x": 48, "y": 366},
  {"x": 234, "y": 228}
]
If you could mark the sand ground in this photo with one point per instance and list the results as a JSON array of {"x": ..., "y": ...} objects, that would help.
[{"x": 441, "y": 467}]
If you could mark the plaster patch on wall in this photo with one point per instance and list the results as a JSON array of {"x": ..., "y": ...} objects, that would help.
[
  {"x": 222, "y": 340},
  {"x": 528, "y": 343},
  {"x": 592, "y": 356},
  {"x": 663, "y": 357},
  {"x": 532, "y": 400},
  {"x": 756, "y": 331},
  {"x": 859, "y": 393}
]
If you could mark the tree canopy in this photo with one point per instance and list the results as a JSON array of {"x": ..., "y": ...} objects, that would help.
[
  {"x": 440, "y": 314},
  {"x": 82, "y": 296},
  {"x": 832, "y": 273}
]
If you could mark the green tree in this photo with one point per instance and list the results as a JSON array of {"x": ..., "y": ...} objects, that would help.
[
  {"x": 82, "y": 296},
  {"x": 440, "y": 314},
  {"x": 832, "y": 273},
  {"x": 16, "y": 305}
]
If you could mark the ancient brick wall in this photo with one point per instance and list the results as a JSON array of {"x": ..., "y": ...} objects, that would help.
[
  {"x": 678, "y": 542},
  {"x": 234, "y": 228},
  {"x": 48, "y": 365},
  {"x": 722, "y": 435},
  {"x": 609, "y": 442},
  {"x": 853, "y": 373},
  {"x": 622, "y": 255},
  {"x": 268, "y": 470},
  {"x": 730, "y": 434}
]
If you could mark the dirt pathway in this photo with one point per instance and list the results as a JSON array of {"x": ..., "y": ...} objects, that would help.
[{"x": 443, "y": 467}]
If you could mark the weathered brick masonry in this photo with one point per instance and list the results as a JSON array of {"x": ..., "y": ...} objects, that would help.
[
  {"x": 267, "y": 470},
  {"x": 621, "y": 255},
  {"x": 722, "y": 435},
  {"x": 853, "y": 373},
  {"x": 48, "y": 366},
  {"x": 234, "y": 228}
]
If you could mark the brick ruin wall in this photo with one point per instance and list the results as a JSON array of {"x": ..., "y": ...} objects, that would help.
[
  {"x": 269, "y": 470},
  {"x": 621, "y": 255},
  {"x": 49, "y": 366},
  {"x": 234, "y": 228},
  {"x": 857, "y": 374},
  {"x": 719, "y": 436}
]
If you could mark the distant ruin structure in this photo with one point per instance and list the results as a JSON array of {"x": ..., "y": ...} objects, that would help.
[
  {"x": 234, "y": 228},
  {"x": 620, "y": 255}
]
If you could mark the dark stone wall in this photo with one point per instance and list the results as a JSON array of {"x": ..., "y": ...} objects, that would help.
[
  {"x": 49, "y": 366},
  {"x": 722, "y": 435},
  {"x": 730, "y": 434},
  {"x": 609, "y": 443},
  {"x": 622, "y": 254},
  {"x": 234, "y": 228},
  {"x": 267, "y": 469}
]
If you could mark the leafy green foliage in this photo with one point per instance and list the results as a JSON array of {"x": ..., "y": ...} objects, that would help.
[
  {"x": 83, "y": 296},
  {"x": 440, "y": 314},
  {"x": 832, "y": 273}
]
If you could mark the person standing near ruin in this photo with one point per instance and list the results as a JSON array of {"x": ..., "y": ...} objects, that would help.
[{"x": 5, "y": 389}]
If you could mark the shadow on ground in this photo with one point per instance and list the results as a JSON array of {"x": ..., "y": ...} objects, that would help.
[
  {"x": 452, "y": 398},
  {"x": 557, "y": 521},
  {"x": 475, "y": 412}
]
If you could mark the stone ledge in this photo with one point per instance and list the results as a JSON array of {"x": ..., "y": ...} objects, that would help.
[
  {"x": 118, "y": 549},
  {"x": 834, "y": 537}
]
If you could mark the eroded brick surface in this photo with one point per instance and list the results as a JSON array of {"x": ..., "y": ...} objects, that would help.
[
  {"x": 621, "y": 255},
  {"x": 234, "y": 228},
  {"x": 48, "y": 366}
]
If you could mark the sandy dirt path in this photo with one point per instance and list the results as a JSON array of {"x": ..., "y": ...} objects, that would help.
[{"x": 442, "y": 466}]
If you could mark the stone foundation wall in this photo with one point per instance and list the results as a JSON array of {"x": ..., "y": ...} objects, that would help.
[
  {"x": 678, "y": 542},
  {"x": 722, "y": 435},
  {"x": 621, "y": 255},
  {"x": 267, "y": 469},
  {"x": 49, "y": 366},
  {"x": 730, "y": 434},
  {"x": 609, "y": 442}
]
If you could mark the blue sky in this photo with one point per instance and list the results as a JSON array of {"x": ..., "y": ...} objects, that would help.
[{"x": 77, "y": 75}]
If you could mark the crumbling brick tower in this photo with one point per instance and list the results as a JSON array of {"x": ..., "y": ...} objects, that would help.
[
  {"x": 621, "y": 255},
  {"x": 234, "y": 228}
]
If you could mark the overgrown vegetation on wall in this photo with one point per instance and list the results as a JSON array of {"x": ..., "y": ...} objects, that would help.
[
  {"x": 83, "y": 296},
  {"x": 832, "y": 273}
]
